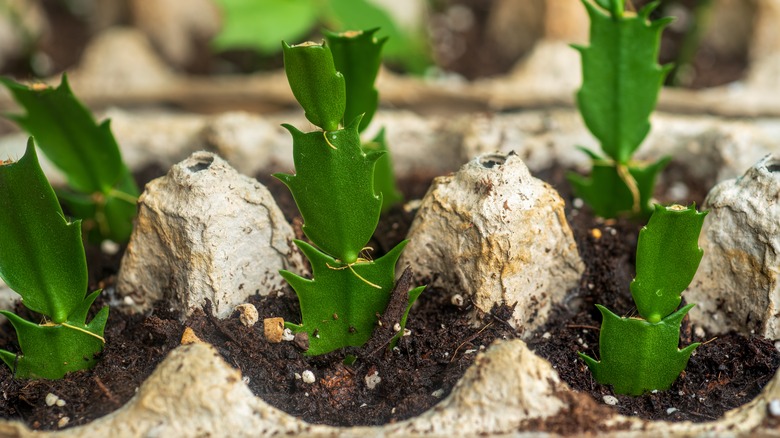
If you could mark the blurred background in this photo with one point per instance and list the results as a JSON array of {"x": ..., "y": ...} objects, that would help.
[{"x": 461, "y": 40}]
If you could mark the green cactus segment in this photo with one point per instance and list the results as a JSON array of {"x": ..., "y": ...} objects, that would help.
[
  {"x": 316, "y": 84},
  {"x": 357, "y": 55},
  {"x": 339, "y": 307},
  {"x": 615, "y": 7},
  {"x": 42, "y": 258},
  {"x": 639, "y": 356},
  {"x": 41, "y": 254},
  {"x": 86, "y": 152},
  {"x": 384, "y": 179},
  {"x": 621, "y": 76},
  {"x": 609, "y": 195},
  {"x": 667, "y": 258},
  {"x": 333, "y": 190},
  {"x": 51, "y": 351}
]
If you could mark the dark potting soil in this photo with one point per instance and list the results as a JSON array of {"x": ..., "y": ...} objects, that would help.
[{"x": 723, "y": 373}]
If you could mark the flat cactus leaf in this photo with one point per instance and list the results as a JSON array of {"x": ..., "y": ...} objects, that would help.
[
  {"x": 340, "y": 305},
  {"x": 333, "y": 188},
  {"x": 621, "y": 76},
  {"x": 51, "y": 351},
  {"x": 639, "y": 356},
  {"x": 315, "y": 83},
  {"x": 41, "y": 253},
  {"x": 85, "y": 151},
  {"x": 384, "y": 178},
  {"x": 667, "y": 258},
  {"x": 357, "y": 55},
  {"x": 609, "y": 195}
]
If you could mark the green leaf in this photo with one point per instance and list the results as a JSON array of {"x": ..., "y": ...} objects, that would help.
[
  {"x": 384, "y": 177},
  {"x": 316, "y": 84},
  {"x": 51, "y": 351},
  {"x": 406, "y": 47},
  {"x": 608, "y": 194},
  {"x": 667, "y": 258},
  {"x": 261, "y": 24},
  {"x": 621, "y": 77},
  {"x": 639, "y": 356},
  {"x": 615, "y": 7},
  {"x": 41, "y": 253},
  {"x": 357, "y": 55},
  {"x": 42, "y": 258},
  {"x": 334, "y": 191},
  {"x": 86, "y": 152},
  {"x": 339, "y": 306}
]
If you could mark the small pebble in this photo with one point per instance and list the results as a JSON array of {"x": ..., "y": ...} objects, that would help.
[
  {"x": 373, "y": 379},
  {"x": 777, "y": 345},
  {"x": 397, "y": 327},
  {"x": 699, "y": 331},
  {"x": 596, "y": 233},
  {"x": 577, "y": 203},
  {"x": 407, "y": 332},
  {"x": 610, "y": 400},
  {"x": 297, "y": 376},
  {"x": 546, "y": 335},
  {"x": 273, "y": 328},
  {"x": 438, "y": 393},
  {"x": 308, "y": 377},
  {"x": 247, "y": 314},
  {"x": 60, "y": 403},
  {"x": 774, "y": 407},
  {"x": 63, "y": 422},
  {"x": 671, "y": 411}
]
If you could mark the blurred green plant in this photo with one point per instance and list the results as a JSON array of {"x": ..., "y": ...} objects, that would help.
[
  {"x": 42, "y": 258},
  {"x": 641, "y": 354},
  {"x": 261, "y": 24},
  {"x": 621, "y": 80},
  {"x": 333, "y": 186},
  {"x": 101, "y": 190}
]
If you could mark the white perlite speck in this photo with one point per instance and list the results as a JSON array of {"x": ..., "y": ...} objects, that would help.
[
  {"x": 610, "y": 400},
  {"x": 372, "y": 380},
  {"x": 287, "y": 335},
  {"x": 51, "y": 399},
  {"x": 438, "y": 393},
  {"x": 308, "y": 377},
  {"x": 774, "y": 407},
  {"x": 671, "y": 411}
]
